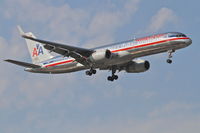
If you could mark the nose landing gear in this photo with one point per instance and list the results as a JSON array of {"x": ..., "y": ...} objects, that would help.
[{"x": 170, "y": 56}]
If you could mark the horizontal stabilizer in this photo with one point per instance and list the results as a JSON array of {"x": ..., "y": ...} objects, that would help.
[{"x": 24, "y": 64}]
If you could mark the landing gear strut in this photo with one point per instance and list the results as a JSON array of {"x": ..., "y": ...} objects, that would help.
[
  {"x": 170, "y": 56},
  {"x": 90, "y": 72},
  {"x": 113, "y": 77}
]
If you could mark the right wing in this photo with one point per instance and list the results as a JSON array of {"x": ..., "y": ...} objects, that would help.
[
  {"x": 24, "y": 64},
  {"x": 79, "y": 54}
]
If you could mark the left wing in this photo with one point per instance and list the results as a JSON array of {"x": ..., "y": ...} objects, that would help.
[{"x": 79, "y": 54}]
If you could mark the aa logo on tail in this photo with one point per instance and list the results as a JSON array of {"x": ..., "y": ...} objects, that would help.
[{"x": 37, "y": 51}]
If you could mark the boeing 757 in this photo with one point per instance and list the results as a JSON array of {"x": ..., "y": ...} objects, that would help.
[{"x": 122, "y": 56}]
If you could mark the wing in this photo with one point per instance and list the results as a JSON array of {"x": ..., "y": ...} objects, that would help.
[{"x": 79, "y": 54}]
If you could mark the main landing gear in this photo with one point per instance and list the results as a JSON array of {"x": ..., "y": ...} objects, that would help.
[
  {"x": 170, "y": 56},
  {"x": 90, "y": 72},
  {"x": 110, "y": 78},
  {"x": 113, "y": 77}
]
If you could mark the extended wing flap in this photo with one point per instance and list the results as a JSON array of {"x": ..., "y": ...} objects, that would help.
[
  {"x": 24, "y": 64},
  {"x": 79, "y": 58},
  {"x": 57, "y": 50}
]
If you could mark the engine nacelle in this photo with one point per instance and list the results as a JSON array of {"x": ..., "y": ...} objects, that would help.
[
  {"x": 137, "y": 66},
  {"x": 101, "y": 56}
]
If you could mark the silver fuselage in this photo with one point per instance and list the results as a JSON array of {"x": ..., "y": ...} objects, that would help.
[{"x": 126, "y": 52}]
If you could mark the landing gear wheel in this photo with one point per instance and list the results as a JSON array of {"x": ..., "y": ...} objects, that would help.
[
  {"x": 169, "y": 61},
  {"x": 88, "y": 73},
  {"x": 94, "y": 71},
  {"x": 170, "y": 56},
  {"x": 115, "y": 77},
  {"x": 110, "y": 78}
]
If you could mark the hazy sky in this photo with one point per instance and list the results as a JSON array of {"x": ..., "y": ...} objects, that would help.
[{"x": 164, "y": 99}]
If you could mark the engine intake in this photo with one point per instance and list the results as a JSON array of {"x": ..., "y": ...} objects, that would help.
[
  {"x": 108, "y": 54},
  {"x": 101, "y": 55}
]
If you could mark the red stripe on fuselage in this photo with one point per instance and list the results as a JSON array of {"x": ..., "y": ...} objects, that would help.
[
  {"x": 123, "y": 49},
  {"x": 59, "y": 63}
]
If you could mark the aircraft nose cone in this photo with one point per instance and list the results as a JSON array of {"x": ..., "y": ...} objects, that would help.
[{"x": 189, "y": 41}]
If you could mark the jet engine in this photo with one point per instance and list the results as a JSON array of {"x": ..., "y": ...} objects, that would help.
[
  {"x": 137, "y": 66},
  {"x": 101, "y": 55}
]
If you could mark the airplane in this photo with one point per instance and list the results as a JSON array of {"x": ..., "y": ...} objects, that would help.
[{"x": 122, "y": 56}]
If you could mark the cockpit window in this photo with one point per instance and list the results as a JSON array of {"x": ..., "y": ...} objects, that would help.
[
  {"x": 172, "y": 35},
  {"x": 181, "y": 35},
  {"x": 177, "y": 35}
]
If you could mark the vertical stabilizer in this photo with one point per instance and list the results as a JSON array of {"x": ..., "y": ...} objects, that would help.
[{"x": 37, "y": 51}]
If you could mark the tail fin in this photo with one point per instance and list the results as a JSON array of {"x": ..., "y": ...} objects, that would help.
[{"x": 37, "y": 51}]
